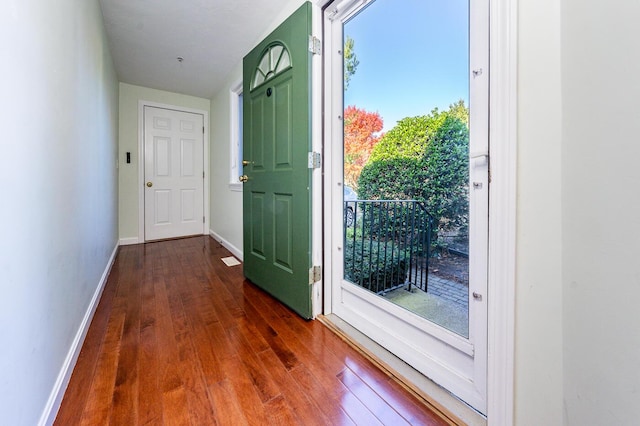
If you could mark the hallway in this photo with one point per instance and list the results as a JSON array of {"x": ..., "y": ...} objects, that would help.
[{"x": 180, "y": 338}]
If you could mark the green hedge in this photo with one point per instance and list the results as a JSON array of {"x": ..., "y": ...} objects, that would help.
[
  {"x": 374, "y": 265},
  {"x": 424, "y": 158}
]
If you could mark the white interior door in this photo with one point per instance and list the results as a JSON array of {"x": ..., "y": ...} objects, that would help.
[
  {"x": 174, "y": 173},
  {"x": 452, "y": 354}
]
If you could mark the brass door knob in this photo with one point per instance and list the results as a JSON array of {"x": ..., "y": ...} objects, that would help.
[
  {"x": 245, "y": 163},
  {"x": 243, "y": 178},
  {"x": 149, "y": 184}
]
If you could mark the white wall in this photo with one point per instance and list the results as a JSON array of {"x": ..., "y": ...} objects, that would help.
[
  {"x": 226, "y": 217},
  {"x": 58, "y": 220},
  {"x": 128, "y": 179},
  {"x": 601, "y": 211},
  {"x": 578, "y": 281}
]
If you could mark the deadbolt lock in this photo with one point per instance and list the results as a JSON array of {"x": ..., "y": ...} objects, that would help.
[
  {"x": 243, "y": 178},
  {"x": 245, "y": 163},
  {"x": 149, "y": 184}
]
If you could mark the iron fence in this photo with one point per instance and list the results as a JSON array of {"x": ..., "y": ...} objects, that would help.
[{"x": 387, "y": 244}]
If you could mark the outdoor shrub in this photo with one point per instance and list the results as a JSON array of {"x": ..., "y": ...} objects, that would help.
[
  {"x": 392, "y": 179},
  {"x": 374, "y": 265},
  {"x": 424, "y": 158}
]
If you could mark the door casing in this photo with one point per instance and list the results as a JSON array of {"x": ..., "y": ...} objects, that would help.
[{"x": 141, "y": 181}]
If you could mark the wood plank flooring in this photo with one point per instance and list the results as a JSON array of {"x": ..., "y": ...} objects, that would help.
[{"x": 179, "y": 338}]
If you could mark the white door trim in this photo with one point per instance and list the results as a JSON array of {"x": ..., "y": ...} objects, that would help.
[
  {"x": 503, "y": 39},
  {"x": 205, "y": 115},
  {"x": 317, "y": 143}
]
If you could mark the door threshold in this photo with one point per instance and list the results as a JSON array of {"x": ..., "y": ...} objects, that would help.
[
  {"x": 179, "y": 237},
  {"x": 438, "y": 399}
]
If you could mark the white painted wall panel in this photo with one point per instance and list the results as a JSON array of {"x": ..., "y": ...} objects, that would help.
[
  {"x": 538, "y": 325},
  {"x": 58, "y": 174},
  {"x": 601, "y": 211}
]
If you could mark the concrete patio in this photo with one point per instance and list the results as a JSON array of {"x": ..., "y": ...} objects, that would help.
[{"x": 445, "y": 303}]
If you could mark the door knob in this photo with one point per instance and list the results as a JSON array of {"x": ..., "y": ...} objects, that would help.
[
  {"x": 243, "y": 178},
  {"x": 149, "y": 184},
  {"x": 245, "y": 163}
]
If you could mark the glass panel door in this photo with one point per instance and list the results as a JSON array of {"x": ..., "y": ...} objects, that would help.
[
  {"x": 406, "y": 148},
  {"x": 410, "y": 181}
]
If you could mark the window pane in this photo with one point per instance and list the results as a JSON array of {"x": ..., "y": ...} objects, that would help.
[
  {"x": 240, "y": 113},
  {"x": 406, "y": 136}
]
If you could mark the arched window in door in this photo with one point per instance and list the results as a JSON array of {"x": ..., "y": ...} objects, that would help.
[{"x": 274, "y": 61}]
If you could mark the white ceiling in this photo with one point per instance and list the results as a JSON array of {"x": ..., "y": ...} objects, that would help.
[{"x": 147, "y": 36}]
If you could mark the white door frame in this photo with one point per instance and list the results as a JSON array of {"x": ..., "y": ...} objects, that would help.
[
  {"x": 458, "y": 363},
  {"x": 205, "y": 142},
  {"x": 503, "y": 134},
  {"x": 503, "y": 31}
]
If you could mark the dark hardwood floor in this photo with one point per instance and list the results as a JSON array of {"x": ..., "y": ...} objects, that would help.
[{"x": 181, "y": 338}]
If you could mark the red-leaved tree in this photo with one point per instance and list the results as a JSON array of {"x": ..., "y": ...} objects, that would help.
[{"x": 361, "y": 133}]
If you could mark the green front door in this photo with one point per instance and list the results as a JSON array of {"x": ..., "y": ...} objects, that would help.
[{"x": 277, "y": 139}]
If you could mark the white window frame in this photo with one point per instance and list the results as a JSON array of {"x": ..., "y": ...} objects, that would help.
[{"x": 235, "y": 152}]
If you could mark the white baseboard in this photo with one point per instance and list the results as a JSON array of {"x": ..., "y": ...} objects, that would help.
[
  {"x": 55, "y": 398},
  {"x": 129, "y": 241},
  {"x": 226, "y": 244}
]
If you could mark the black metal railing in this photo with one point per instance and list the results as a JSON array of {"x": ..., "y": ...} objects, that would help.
[{"x": 387, "y": 244}]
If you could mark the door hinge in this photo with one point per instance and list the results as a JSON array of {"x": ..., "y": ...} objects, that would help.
[
  {"x": 203, "y": 130},
  {"x": 315, "y": 274},
  {"x": 315, "y": 45},
  {"x": 202, "y": 175},
  {"x": 315, "y": 160},
  {"x": 202, "y": 219}
]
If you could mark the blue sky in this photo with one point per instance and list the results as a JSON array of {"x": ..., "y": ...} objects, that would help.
[{"x": 413, "y": 57}]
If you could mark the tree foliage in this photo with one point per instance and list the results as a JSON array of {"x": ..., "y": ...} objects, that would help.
[
  {"x": 350, "y": 61},
  {"x": 424, "y": 158},
  {"x": 361, "y": 134}
]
